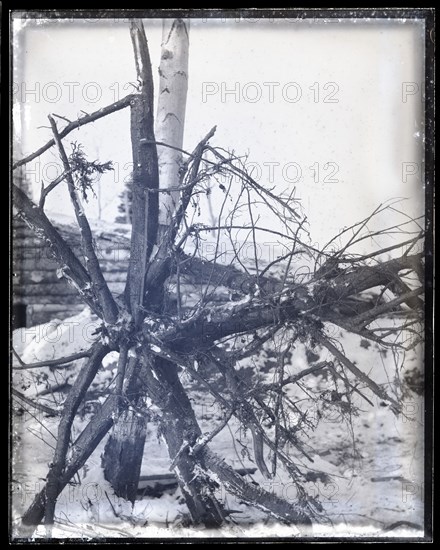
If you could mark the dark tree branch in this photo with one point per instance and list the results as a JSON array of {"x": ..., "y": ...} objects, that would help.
[
  {"x": 86, "y": 443},
  {"x": 179, "y": 427},
  {"x": 216, "y": 322},
  {"x": 365, "y": 277},
  {"x": 73, "y": 400},
  {"x": 377, "y": 390},
  {"x": 278, "y": 508},
  {"x": 46, "y": 190},
  {"x": 86, "y": 119},
  {"x": 367, "y": 317},
  {"x": 294, "y": 378},
  {"x": 105, "y": 298},
  {"x": 50, "y": 362},
  {"x": 71, "y": 268},
  {"x": 145, "y": 205},
  {"x": 199, "y": 271},
  {"x": 83, "y": 447},
  {"x": 43, "y": 408}
]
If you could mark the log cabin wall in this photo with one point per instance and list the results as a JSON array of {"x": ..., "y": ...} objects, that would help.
[{"x": 38, "y": 295}]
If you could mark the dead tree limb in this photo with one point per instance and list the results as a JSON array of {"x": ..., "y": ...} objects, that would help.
[
  {"x": 82, "y": 121},
  {"x": 83, "y": 447},
  {"x": 123, "y": 455},
  {"x": 46, "y": 190},
  {"x": 99, "y": 285},
  {"x": 159, "y": 268},
  {"x": 70, "y": 267},
  {"x": 85, "y": 444},
  {"x": 43, "y": 408},
  {"x": 145, "y": 206},
  {"x": 278, "y": 508},
  {"x": 367, "y": 317},
  {"x": 179, "y": 427},
  {"x": 377, "y": 390},
  {"x": 73, "y": 400},
  {"x": 50, "y": 362},
  {"x": 216, "y": 322}
]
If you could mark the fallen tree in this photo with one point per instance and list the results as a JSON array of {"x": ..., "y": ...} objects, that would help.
[{"x": 270, "y": 303}]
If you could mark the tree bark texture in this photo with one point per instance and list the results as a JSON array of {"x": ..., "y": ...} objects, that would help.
[
  {"x": 170, "y": 119},
  {"x": 145, "y": 175},
  {"x": 123, "y": 454}
]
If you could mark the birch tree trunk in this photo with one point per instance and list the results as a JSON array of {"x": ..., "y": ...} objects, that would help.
[
  {"x": 124, "y": 450},
  {"x": 170, "y": 119}
]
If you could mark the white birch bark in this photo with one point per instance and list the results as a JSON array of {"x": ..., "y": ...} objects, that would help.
[{"x": 170, "y": 119}]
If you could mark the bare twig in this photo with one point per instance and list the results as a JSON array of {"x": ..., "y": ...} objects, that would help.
[
  {"x": 50, "y": 362},
  {"x": 86, "y": 119},
  {"x": 353, "y": 388},
  {"x": 294, "y": 378},
  {"x": 357, "y": 258},
  {"x": 34, "y": 404},
  {"x": 377, "y": 390},
  {"x": 46, "y": 190},
  {"x": 62, "y": 118}
]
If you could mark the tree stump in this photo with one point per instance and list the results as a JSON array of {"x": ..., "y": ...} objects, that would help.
[{"x": 122, "y": 458}]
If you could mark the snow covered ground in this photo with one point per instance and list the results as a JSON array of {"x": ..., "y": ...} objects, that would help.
[{"x": 367, "y": 474}]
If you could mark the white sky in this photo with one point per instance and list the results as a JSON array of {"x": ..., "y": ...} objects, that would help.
[{"x": 372, "y": 139}]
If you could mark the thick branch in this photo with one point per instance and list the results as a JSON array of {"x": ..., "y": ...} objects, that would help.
[
  {"x": 84, "y": 445},
  {"x": 365, "y": 318},
  {"x": 401, "y": 288},
  {"x": 108, "y": 305},
  {"x": 117, "y": 106},
  {"x": 73, "y": 400},
  {"x": 278, "y": 508},
  {"x": 72, "y": 269},
  {"x": 145, "y": 205},
  {"x": 200, "y": 271},
  {"x": 216, "y": 322},
  {"x": 179, "y": 427},
  {"x": 365, "y": 277}
]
